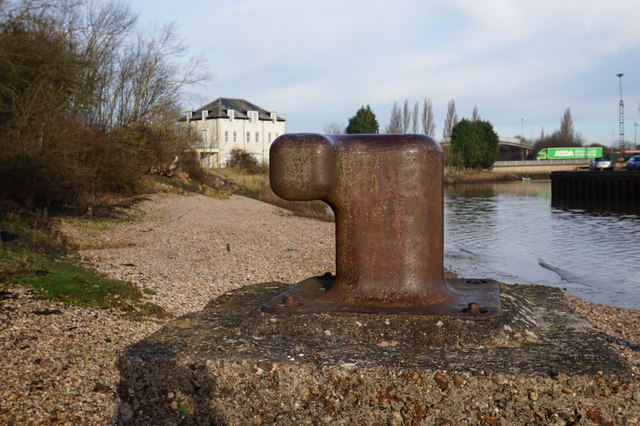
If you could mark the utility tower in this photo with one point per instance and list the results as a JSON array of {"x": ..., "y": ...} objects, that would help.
[{"x": 621, "y": 114}]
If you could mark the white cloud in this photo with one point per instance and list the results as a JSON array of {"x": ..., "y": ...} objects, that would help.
[{"x": 319, "y": 61}]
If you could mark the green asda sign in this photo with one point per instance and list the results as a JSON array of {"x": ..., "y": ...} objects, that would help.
[{"x": 574, "y": 152}]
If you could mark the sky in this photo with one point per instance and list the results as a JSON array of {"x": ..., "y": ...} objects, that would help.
[{"x": 522, "y": 63}]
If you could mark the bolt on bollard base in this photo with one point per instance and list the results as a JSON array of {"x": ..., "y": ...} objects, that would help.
[{"x": 475, "y": 299}]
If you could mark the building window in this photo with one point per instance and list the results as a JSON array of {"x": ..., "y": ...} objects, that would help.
[
  {"x": 253, "y": 116},
  {"x": 232, "y": 114},
  {"x": 270, "y": 140},
  {"x": 248, "y": 136},
  {"x": 226, "y": 136},
  {"x": 234, "y": 136},
  {"x": 204, "y": 136},
  {"x": 274, "y": 117},
  {"x": 257, "y": 137}
]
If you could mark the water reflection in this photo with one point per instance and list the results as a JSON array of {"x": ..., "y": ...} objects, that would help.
[
  {"x": 510, "y": 232},
  {"x": 596, "y": 208}
]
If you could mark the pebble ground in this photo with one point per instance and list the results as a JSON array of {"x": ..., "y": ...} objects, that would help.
[{"x": 57, "y": 363}]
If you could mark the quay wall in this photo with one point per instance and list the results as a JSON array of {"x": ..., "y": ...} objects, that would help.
[{"x": 621, "y": 186}]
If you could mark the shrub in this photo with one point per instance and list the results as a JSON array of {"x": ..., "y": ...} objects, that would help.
[
  {"x": 240, "y": 159},
  {"x": 85, "y": 106}
]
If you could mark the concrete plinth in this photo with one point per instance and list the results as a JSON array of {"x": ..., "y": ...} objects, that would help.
[{"x": 233, "y": 364}]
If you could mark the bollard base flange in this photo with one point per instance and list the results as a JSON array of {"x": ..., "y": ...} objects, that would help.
[{"x": 469, "y": 299}]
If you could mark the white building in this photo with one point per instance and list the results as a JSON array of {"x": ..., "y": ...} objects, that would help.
[{"x": 226, "y": 124}]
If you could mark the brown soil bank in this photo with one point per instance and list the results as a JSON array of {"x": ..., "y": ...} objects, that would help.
[{"x": 477, "y": 176}]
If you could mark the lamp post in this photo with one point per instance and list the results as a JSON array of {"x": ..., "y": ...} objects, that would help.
[
  {"x": 522, "y": 135},
  {"x": 635, "y": 129},
  {"x": 621, "y": 114}
]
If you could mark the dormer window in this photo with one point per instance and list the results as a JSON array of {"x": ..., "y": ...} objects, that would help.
[
  {"x": 232, "y": 114},
  {"x": 189, "y": 115},
  {"x": 205, "y": 114},
  {"x": 253, "y": 116},
  {"x": 274, "y": 117}
]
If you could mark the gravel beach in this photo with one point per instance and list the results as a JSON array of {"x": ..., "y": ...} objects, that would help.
[{"x": 57, "y": 363}]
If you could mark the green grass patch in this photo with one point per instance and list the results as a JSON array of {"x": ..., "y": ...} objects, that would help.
[
  {"x": 89, "y": 226},
  {"x": 66, "y": 280}
]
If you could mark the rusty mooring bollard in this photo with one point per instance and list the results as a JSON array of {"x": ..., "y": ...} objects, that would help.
[{"x": 387, "y": 195}]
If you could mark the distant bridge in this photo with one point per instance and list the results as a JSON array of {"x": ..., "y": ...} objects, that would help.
[
  {"x": 539, "y": 166},
  {"x": 527, "y": 166},
  {"x": 505, "y": 145},
  {"x": 502, "y": 141}
]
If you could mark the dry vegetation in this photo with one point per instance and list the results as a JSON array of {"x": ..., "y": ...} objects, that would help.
[
  {"x": 256, "y": 185},
  {"x": 88, "y": 102}
]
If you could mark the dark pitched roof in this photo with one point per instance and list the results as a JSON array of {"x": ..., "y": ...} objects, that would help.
[{"x": 219, "y": 108}]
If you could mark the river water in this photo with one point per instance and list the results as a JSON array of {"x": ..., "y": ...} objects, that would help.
[{"x": 509, "y": 232}]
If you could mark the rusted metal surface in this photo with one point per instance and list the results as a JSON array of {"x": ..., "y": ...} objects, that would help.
[{"x": 387, "y": 195}]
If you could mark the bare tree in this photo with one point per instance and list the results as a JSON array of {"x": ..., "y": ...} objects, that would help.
[
  {"x": 450, "y": 120},
  {"x": 395, "y": 123},
  {"x": 407, "y": 120},
  {"x": 475, "y": 116},
  {"x": 100, "y": 32},
  {"x": 566, "y": 127},
  {"x": 130, "y": 77},
  {"x": 406, "y": 117},
  {"x": 428, "y": 123},
  {"x": 414, "y": 118},
  {"x": 334, "y": 128}
]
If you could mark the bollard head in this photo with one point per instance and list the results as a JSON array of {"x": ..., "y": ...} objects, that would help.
[
  {"x": 387, "y": 195},
  {"x": 302, "y": 166}
]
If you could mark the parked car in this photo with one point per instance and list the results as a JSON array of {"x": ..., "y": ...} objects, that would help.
[
  {"x": 633, "y": 163},
  {"x": 601, "y": 163}
]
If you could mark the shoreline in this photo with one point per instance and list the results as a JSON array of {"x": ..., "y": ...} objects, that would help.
[
  {"x": 58, "y": 362},
  {"x": 486, "y": 176}
]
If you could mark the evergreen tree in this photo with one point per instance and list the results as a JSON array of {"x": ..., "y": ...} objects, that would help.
[
  {"x": 363, "y": 122},
  {"x": 475, "y": 143}
]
